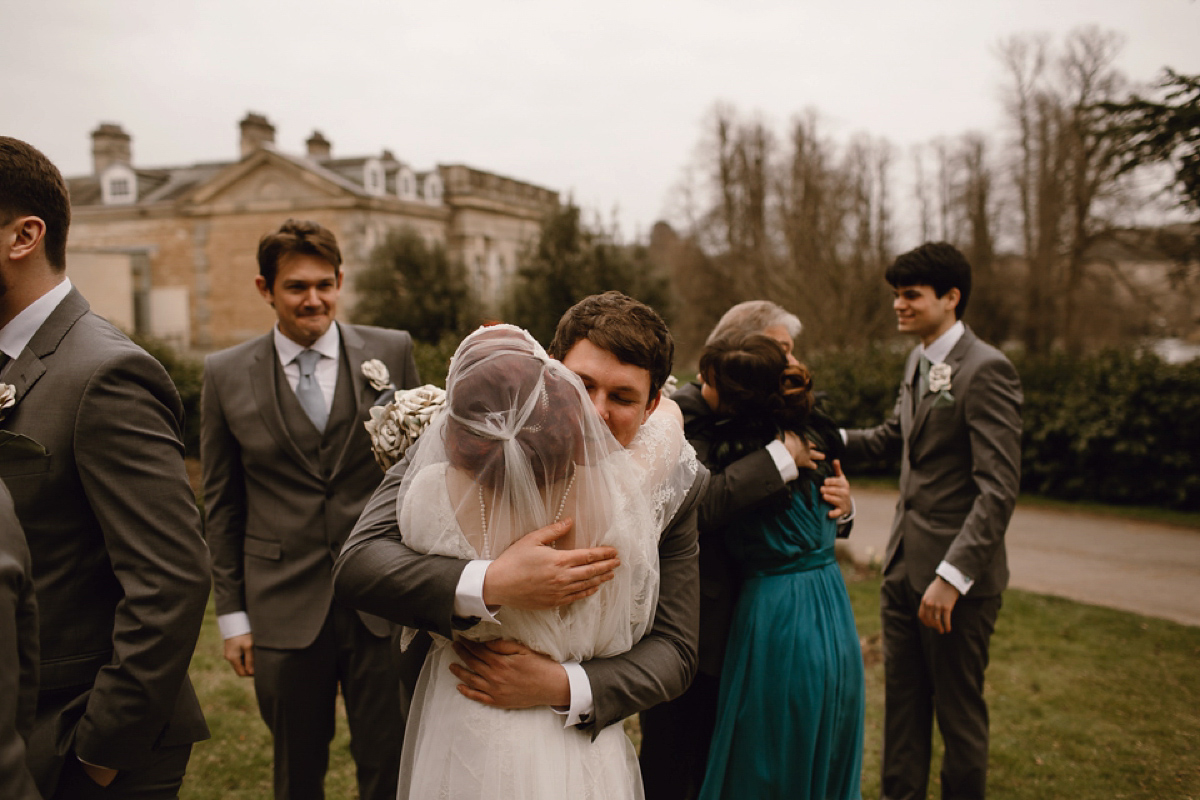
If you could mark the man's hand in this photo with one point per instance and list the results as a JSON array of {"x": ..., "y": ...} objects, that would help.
[
  {"x": 936, "y": 605},
  {"x": 836, "y": 491},
  {"x": 801, "y": 451},
  {"x": 103, "y": 776},
  {"x": 506, "y": 674},
  {"x": 532, "y": 575},
  {"x": 239, "y": 652}
]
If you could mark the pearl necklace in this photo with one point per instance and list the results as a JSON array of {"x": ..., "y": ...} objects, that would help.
[{"x": 483, "y": 521}]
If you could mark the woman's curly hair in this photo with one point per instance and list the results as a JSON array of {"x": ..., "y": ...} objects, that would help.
[{"x": 753, "y": 379}]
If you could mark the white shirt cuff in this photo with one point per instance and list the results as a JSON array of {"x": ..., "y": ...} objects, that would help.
[
  {"x": 845, "y": 436},
  {"x": 235, "y": 624},
  {"x": 954, "y": 576},
  {"x": 850, "y": 516},
  {"x": 581, "y": 695},
  {"x": 468, "y": 594},
  {"x": 783, "y": 461}
]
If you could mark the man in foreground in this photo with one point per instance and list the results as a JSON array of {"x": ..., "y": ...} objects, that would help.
[
  {"x": 957, "y": 432},
  {"x": 97, "y": 477}
]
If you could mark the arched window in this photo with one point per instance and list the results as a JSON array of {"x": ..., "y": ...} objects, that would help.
[
  {"x": 433, "y": 188},
  {"x": 406, "y": 184}
]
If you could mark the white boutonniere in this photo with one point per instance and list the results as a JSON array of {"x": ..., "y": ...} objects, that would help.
[
  {"x": 8, "y": 398},
  {"x": 939, "y": 383},
  {"x": 376, "y": 372},
  {"x": 394, "y": 427}
]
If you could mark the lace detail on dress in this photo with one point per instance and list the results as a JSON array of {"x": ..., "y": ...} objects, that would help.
[{"x": 667, "y": 465}]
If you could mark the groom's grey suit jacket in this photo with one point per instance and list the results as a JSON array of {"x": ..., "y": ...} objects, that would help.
[
  {"x": 378, "y": 573},
  {"x": 119, "y": 565},
  {"x": 277, "y": 511},
  {"x": 959, "y": 467}
]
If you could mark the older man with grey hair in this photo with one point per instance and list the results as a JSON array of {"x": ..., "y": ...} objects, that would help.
[{"x": 675, "y": 735}]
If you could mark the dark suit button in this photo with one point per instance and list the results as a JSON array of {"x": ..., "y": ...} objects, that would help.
[
  {"x": 908, "y": 505},
  {"x": 329, "y": 491}
]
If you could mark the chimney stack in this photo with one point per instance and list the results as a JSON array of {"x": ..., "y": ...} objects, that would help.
[
  {"x": 110, "y": 145},
  {"x": 256, "y": 132},
  {"x": 318, "y": 146}
]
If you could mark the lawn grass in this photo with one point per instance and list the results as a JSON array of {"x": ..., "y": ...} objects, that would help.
[{"x": 1085, "y": 702}]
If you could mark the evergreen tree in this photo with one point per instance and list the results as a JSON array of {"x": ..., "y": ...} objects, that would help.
[{"x": 415, "y": 287}]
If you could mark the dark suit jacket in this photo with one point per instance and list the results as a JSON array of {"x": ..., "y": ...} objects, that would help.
[
  {"x": 959, "y": 468},
  {"x": 275, "y": 520},
  {"x": 18, "y": 654},
  {"x": 119, "y": 564},
  {"x": 378, "y": 573}
]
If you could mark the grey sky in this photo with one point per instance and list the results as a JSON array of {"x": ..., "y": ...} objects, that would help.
[{"x": 604, "y": 100}]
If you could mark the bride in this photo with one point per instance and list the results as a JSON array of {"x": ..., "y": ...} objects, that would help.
[{"x": 519, "y": 446}]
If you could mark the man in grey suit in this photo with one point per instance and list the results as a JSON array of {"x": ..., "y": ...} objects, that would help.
[
  {"x": 94, "y": 462},
  {"x": 957, "y": 432},
  {"x": 622, "y": 351},
  {"x": 676, "y": 735},
  {"x": 287, "y": 470},
  {"x": 18, "y": 654}
]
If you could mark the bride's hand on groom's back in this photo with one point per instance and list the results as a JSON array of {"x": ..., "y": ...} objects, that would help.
[{"x": 532, "y": 575}]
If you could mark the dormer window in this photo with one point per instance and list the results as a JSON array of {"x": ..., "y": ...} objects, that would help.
[
  {"x": 118, "y": 185},
  {"x": 373, "y": 177},
  {"x": 433, "y": 188},
  {"x": 406, "y": 184}
]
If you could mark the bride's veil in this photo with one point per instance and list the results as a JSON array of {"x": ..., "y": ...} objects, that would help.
[{"x": 518, "y": 446}]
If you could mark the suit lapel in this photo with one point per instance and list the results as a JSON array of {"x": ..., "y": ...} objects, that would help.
[
  {"x": 28, "y": 368},
  {"x": 954, "y": 360},
  {"x": 356, "y": 350},
  {"x": 266, "y": 399}
]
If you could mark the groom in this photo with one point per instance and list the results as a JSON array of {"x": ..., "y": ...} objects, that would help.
[
  {"x": 622, "y": 350},
  {"x": 957, "y": 431}
]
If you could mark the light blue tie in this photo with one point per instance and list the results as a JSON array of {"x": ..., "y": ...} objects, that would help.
[
  {"x": 308, "y": 391},
  {"x": 923, "y": 384}
]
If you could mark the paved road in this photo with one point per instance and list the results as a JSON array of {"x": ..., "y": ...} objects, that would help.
[{"x": 1133, "y": 566}]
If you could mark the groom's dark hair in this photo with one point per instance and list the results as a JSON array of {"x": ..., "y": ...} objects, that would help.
[
  {"x": 936, "y": 264},
  {"x": 630, "y": 330},
  {"x": 296, "y": 237}
]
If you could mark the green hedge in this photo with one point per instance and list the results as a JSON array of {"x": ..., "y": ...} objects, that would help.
[{"x": 1117, "y": 427}]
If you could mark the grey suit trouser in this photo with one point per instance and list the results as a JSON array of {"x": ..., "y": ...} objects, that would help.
[
  {"x": 928, "y": 675},
  {"x": 297, "y": 693}
]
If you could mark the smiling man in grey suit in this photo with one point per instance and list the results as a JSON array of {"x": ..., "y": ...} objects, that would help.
[
  {"x": 94, "y": 462},
  {"x": 957, "y": 432},
  {"x": 622, "y": 351},
  {"x": 287, "y": 470}
]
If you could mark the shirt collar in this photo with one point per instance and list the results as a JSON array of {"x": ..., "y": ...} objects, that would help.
[
  {"x": 940, "y": 348},
  {"x": 15, "y": 336},
  {"x": 327, "y": 345}
]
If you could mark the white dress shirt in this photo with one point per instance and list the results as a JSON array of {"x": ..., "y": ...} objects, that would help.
[{"x": 15, "y": 336}]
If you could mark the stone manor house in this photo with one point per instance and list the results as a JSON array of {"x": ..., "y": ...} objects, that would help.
[{"x": 170, "y": 252}]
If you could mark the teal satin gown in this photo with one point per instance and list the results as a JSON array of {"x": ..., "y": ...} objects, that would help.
[{"x": 790, "y": 715}]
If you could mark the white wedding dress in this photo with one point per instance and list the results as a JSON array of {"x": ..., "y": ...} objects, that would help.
[{"x": 456, "y": 748}]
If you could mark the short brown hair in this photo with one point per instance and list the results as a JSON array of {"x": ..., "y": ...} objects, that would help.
[
  {"x": 31, "y": 184},
  {"x": 629, "y": 329},
  {"x": 296, "y": 237}
]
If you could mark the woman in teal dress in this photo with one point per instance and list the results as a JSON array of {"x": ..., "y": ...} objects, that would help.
[{"x": 790, "y": 715}]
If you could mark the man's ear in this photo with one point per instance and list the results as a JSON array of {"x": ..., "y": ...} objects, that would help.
[
  {"x": 260, "y": 283},
  {"x": 25, "y": 236},
  {"x": 653, "y": 404},
  {"x": 952, "y": 296},
  {"x": 340, "y": 276}
]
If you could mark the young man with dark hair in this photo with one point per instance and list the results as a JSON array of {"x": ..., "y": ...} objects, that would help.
[
  {"x": 377, "y": 573},
  {"x": 287, "y": 470},
  {"x": 956, "y": 430},
  {"x": 97, "y": 477}
]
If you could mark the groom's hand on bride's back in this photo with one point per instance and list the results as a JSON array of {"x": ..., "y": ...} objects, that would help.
[{"x": 531, "y": 574}]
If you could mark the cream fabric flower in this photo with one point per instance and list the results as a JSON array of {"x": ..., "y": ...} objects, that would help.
[
  {"x": 939, "y": 377},
  {"x": 376, "y": 372},
  {"x": 395, "y": 426},
  {"x": 8, "y": 398}
]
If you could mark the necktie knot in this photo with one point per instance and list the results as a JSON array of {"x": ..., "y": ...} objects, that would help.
[{"x": 307, "y": 359}]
